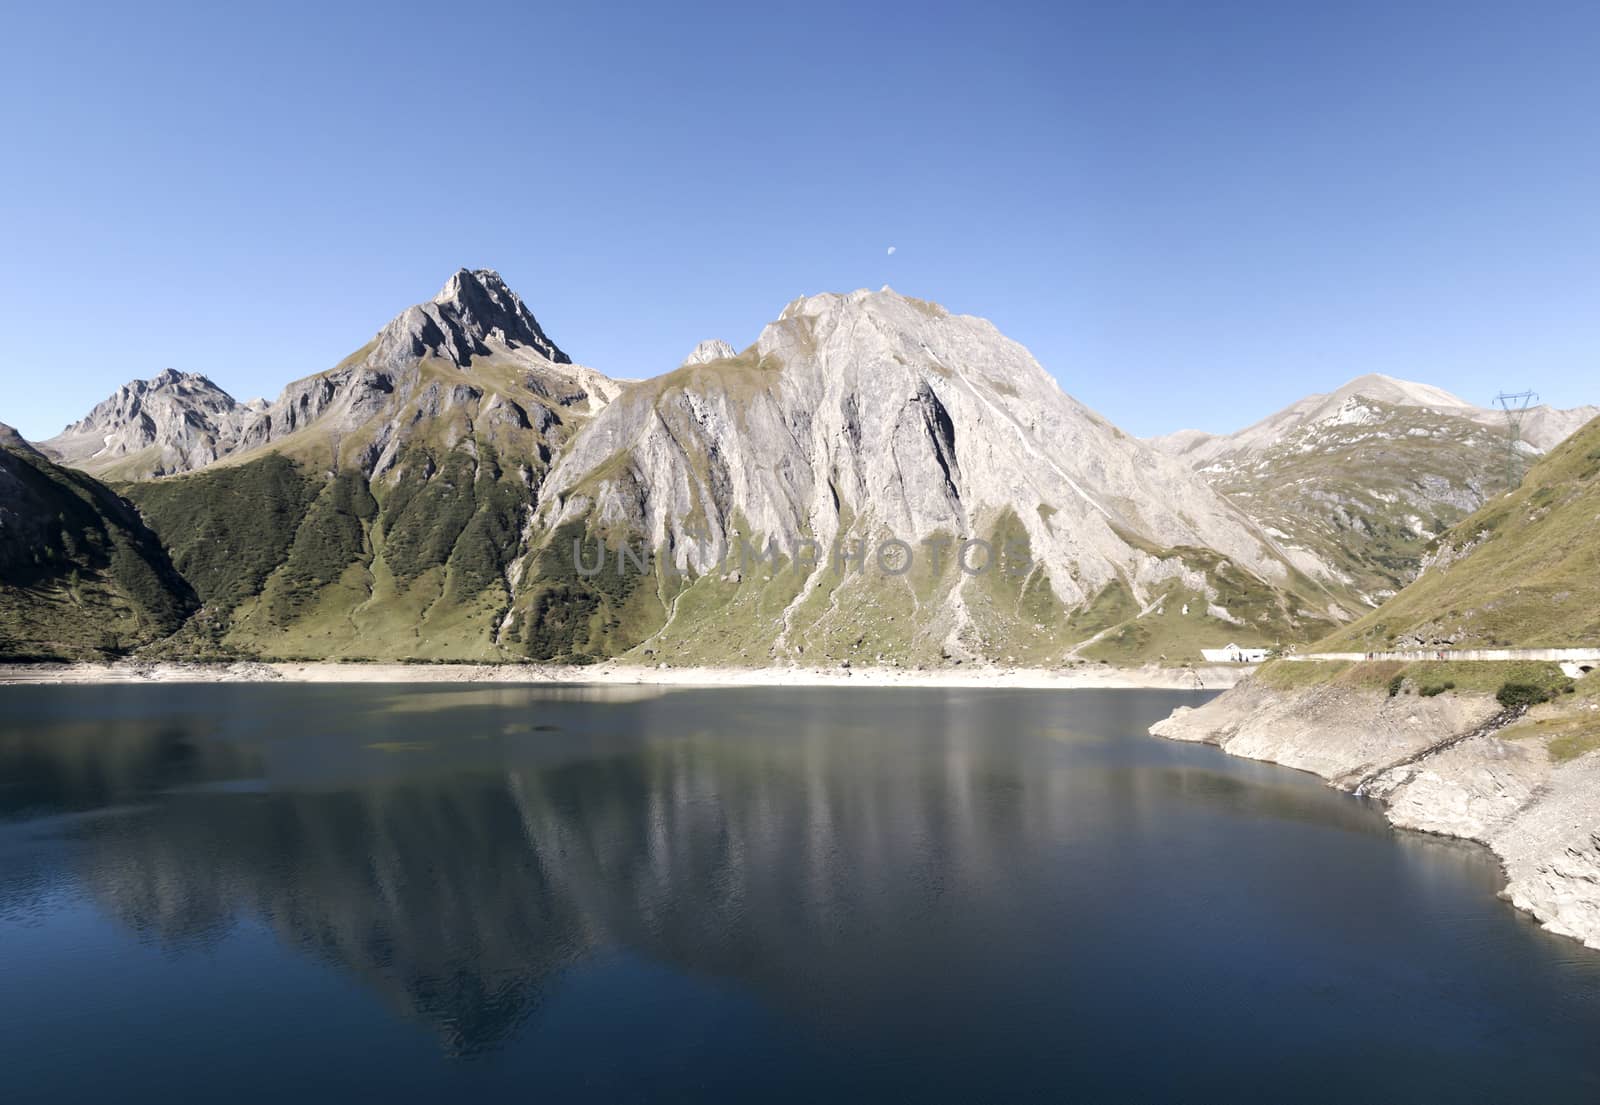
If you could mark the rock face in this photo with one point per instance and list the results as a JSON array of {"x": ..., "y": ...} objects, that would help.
[
  {"x": 462, "y": 448},
  {"x": 175, "y": 422},
  {"x": 1364, "y": 480},
  {"x": 710, "y": 350},
  {"x": 871, "y": 416},
  {"x": 474, "y": 349},
  {"x": 1440, "y": 765},
  {"x": 473, "y": 309}
]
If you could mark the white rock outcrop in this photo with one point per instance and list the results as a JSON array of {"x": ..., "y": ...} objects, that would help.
[
  {"x": 712, "y": 349},
  {"x": 890, "y": 416},
  {"x": 174, "y": 422},
  {"x": 1437, "y": 766}
]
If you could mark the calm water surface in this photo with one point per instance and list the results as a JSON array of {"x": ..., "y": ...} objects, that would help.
[{"x": 258, "y": 893}]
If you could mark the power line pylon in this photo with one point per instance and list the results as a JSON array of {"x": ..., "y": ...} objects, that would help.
[{"x": 1514, "y": 405}]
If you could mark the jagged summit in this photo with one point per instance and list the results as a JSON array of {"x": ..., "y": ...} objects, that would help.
[
  {"x": 473, "y": 309},
  {"x": 180, "y": 421},
  {"x": 712, "y": 349},
  {"x": 171, "y": 422}
]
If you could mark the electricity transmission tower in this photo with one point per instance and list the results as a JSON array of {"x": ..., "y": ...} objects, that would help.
[{"x": 1514, "y": 405}]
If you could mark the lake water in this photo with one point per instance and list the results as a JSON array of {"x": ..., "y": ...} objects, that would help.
[{"x": 269, "y": 893}]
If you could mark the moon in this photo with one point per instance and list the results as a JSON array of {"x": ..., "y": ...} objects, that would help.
[{"x": 891, "y": 252}]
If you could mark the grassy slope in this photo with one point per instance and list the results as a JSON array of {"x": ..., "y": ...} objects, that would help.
[
  {"x": 1567, "y": 725},
  {"x": 1264, "y": 615},
  {"x": 80, "y": 574},
  {"x": 294, "y": 564},
  {"x": 1524, "y": 571},
  {"x": 297, "y": 557},
  {"x": 1371, "y": 498}
]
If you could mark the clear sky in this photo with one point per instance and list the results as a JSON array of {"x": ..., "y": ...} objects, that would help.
[{"x": 1193, "y": 213}]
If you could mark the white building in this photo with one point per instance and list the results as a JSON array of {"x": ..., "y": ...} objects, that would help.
[{"x": 1233, "y": 654}]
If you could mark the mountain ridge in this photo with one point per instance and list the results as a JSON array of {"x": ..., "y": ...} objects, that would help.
[
  {"x": 432, "y": 492},
  {"x": 1543, "y": 426}
]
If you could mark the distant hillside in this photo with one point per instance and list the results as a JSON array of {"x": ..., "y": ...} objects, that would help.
[
  {"x": 80, "y": 574},
  {"x": 1524, "y": 571},
  {"x": 1366, "y": 479}
]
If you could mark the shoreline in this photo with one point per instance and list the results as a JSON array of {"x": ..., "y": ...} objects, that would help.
[
  {"x": 1207, "y": 677},
  {"x": 1439, "y": 766}
]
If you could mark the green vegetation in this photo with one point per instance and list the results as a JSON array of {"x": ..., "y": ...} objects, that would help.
[
  {"x": 570, "y": 615},
  {"x": 1428, "y": 678},
  {"x": 1370, "y": 497},
  {"x": 330, "y": 538},
  {"x": 1523, "y": 694},
  {"x": 426, "y": 509},
  {"x": 1111, "y": 606},
  {"x": 228, "y": 528},
  {"x": 1524, "y": 571},
  {"x": 1291, "y": 675},
  {"x": 1575, "y": 740},
  {"x": 81, "y": 576}
]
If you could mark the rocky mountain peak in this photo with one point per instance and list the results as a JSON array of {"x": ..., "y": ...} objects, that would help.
[
  {"x": 171, "y": 422},
  {"x": 473, "y": 309},
  {"x": 869, "y": 413},
  {"x": 713, "y": 349},
  {"x": 1398, "y": 393}
]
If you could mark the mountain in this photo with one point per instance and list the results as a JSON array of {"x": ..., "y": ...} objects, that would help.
[
  {"x": 1543, "y": 427},
  {"x": 474, "y": 352},
  {"x": 81, "y": 576},
  {"x": 870, "y": 417},
  {"x": 376, "y": 508},
  {"x": 174, "y": 422},
  {"x": 1523, "y": 571},
  {"x": 708, "y": 351},
  {"x": 1367, "y": 478},
  {"x": 1506, "y": 753},
  {"x": 431, "y": 495}
]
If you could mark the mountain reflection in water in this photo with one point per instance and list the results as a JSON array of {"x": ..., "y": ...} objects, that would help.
[{"x": 850, "y": 859}]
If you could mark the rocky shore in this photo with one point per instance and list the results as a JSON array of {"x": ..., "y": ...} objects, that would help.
[
  {"x": 1150, "y": 676},
  {"x": 1457, "y": 764}
]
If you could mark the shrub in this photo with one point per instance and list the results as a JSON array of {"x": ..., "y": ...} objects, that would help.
[
  {"x": 1433, "y": 690},
  {"x": 1395, "y": 684},
  {"x": 1521, "y": 694}
]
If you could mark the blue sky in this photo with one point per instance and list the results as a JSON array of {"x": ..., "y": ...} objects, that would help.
[{"x": 1192, "y": 213}]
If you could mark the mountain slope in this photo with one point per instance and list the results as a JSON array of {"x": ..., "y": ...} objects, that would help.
[
  {"x": 474, "y": 353},
  {"x": 1524, "y": 571},
  {"x": 874, "y": 479},
  {"x": 375, "y": 509},
  {"x": 1543, "y": 427},
  {"x": 80, "y": 574},
  {"x": 1368, "y": 477},
  {"x": 868, "y": 417}
]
